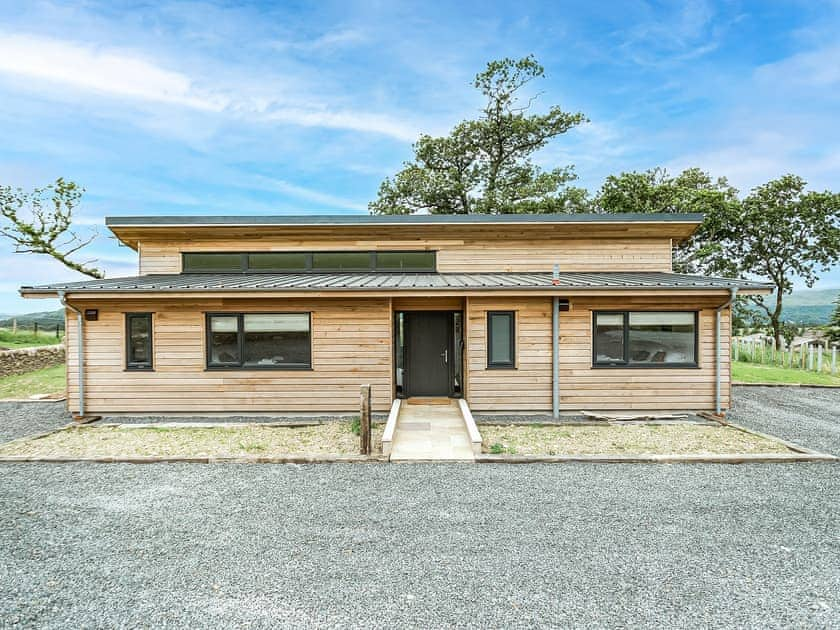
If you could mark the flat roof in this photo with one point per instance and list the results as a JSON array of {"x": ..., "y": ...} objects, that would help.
[
  {"x": 396, "y": 219},
  {"x": 371, "y": 281}
]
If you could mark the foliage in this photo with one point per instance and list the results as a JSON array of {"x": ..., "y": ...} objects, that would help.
[
  {"x": 779, "y": 232},
  {"x": 26, "y": 339},
  {"x": 834, "y": 323},
  {"x": 46, "y": 381},
  {"x": 746, "y": 317},
  {"x": 656, "y": 190},
  {"x": 485, "y": 165},
  {"x": 356, "y": 425},
  {"x": 789, "y": 330},
  {"x": 752, "y": 373},
  {"x": 39, "y": 222}
]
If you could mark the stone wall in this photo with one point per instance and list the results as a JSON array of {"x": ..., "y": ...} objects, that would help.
[{"x": 29, "y": 359}]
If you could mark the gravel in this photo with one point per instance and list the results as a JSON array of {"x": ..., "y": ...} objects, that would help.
[
  {"x": 174, "y": 545},
  {"x": 19, "y": 419},
  {"x": 808, "y": 416}
]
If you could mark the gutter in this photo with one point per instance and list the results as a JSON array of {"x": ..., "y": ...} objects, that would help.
[
  {"x": 81, "y": 349},
  {"x": 555, "y": 348},
  {"x": 732, "y": 296}
]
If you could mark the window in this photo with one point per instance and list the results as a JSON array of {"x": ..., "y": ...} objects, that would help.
[
  {"x": 500, "y": 339},
  {"x": 645, "y": 339},
  {"x": 405, "y": 261},
  {"x": 138, "y": 351},
  {"x": 256, "y": 341},
  {"x": 278, "y": 262},
  {"x": 341, "y": 261},
  {"x": 212, "y": 263}
]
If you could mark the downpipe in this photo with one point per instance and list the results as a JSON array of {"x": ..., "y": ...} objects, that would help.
[
  {"x": 733, "y": 294},
  {"x": 81, "y": 349},
  {"x": 555, "y": 347}
]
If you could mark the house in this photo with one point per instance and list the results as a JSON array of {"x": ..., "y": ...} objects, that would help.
[{"x": 514, "y": 313}]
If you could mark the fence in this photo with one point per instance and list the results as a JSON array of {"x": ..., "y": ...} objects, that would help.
[
  {"x": 815, "y": 356},
  {"x": 34, "y": 328}
]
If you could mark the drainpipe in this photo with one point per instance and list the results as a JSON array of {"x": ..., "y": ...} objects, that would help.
[
  {"x": 733, "y": 294},
  {"x": 555, "y": 347},
  {"x": 81, "y": 349}
]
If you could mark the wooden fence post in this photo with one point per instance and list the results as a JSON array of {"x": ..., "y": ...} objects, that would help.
[
  {"x": 364, "y": 421},
  {"x": 58, "y": 331},
  {"x": 810, "y": 356},
  {"x": 819, "y": 357},
  {"x": 834, "y": 359},
  {"x": 35, "y": 326}
]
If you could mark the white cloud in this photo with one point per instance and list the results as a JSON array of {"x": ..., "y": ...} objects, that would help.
[
  {"x": 128, "y": 76},
  {"x": 308, "y": 194},
  {"x": 109, "y": 72}
]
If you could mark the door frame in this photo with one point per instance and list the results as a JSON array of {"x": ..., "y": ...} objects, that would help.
[{"x": 454, "y": 353}]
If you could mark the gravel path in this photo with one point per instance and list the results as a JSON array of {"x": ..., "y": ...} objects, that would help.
[
  {"x": 21, "y": 419},
  {"x": 425, "y": 546},
  {"x": 419, "y": 546},
  {"x": 805, "y": 415}
]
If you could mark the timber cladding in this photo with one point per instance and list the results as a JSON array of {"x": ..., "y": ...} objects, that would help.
[
  {"x": 453, "y": 255},
  {"x": 527, "y": 387},
  {"x": 351, "y": 346}
]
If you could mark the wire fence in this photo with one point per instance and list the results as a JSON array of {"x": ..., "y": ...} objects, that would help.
[
  {"x": 34, "y": 329},
  {"x": 815, "y": 356}
]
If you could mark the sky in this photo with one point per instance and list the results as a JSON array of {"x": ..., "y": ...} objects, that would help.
[{"x": 296, "y": 108}]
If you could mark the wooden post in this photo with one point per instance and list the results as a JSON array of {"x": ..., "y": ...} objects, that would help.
[
  {"x": 834, "y": 359},
  {"x": 58, "y": 331},
  {"x": 810, "y": 356},
  {"x": 35, "y": 326},
  {"x": 364, "y": 421},
  {"x": 14, "y": 326},
  {"x": 819, "y": 357}
]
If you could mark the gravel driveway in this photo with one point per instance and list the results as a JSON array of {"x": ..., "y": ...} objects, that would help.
[{"x": 421, "y": 546}]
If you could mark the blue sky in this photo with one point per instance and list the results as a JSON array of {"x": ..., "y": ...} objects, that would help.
[{"x": 258, "y": 108}]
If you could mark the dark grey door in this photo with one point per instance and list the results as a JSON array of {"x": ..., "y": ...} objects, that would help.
[{"x": 427, "y": 353}]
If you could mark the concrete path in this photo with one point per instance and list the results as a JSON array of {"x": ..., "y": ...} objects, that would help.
[{"x": 431, "y": 432}]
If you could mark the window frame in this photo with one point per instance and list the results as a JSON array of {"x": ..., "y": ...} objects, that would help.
[
  {"x": 134, "y": 366},
  {"x": 501, "y": 365},
  {"x": 372, "y": 266},
  {"x": 240, "y": 341},
  {"x": 625, "y": 364}
]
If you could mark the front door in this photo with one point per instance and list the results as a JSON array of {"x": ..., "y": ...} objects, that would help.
[{"x": 427, "y": 350}]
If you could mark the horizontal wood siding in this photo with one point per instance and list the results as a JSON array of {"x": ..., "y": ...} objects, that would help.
[
  {"x": 509, "y": 255},
  {"x": 581, "y": 386},
  {"x": 350, "y": 347}
]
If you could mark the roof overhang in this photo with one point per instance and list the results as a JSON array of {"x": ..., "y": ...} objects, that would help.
[{"x": 132, "y": 229}]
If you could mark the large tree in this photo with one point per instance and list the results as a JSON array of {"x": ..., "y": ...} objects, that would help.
[
  {"x": 778, "y": 233},
  {"x": 656, "y": 190},
  {"x": 40, "y": 222},
  {"x": 486, "y": 165}
]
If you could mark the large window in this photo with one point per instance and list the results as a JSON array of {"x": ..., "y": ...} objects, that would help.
[
  {"x": 501, "y": 332},
  {"x": 280, "y": 262},
  {"x": 138, "y": 334},
  {"x": 645, "y": 339},
  {"x": 256, "y": 341}
]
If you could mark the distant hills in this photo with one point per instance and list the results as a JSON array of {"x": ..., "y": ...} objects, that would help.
[{"x": 45, "y": 319}]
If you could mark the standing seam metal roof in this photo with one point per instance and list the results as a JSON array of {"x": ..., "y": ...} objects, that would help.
[{"x": 395, "y": 281}]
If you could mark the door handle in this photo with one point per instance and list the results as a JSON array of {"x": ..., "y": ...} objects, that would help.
[{"x": 445, "y": 355}]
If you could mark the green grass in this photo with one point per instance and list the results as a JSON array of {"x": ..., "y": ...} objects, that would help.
[
  {"x": 46, "y": 381},
  {"x": 26, "y": 339},
  {"x": 753, "y": 373}
]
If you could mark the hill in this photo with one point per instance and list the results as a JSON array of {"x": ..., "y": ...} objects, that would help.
[{"x": 45, "y": 319}]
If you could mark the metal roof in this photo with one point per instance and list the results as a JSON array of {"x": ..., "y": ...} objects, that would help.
[
  {"x": 394, "y": 219},
  {"x": 279, "y": 282}
]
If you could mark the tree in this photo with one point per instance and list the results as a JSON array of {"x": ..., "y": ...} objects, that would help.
[
  {"x": 834, "y": 322},
  {"x": 656, "y": 190},
  {"x": 485, "y": 165},
  {"x": 777, "y": 233},
  {"x": 39, "y": 222}
]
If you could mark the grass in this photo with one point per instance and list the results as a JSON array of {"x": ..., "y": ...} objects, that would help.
[
  {"x": 26, "y": 339},
  {"x": 46, "y": 381},
  {"x": 329, "y": 438},
  {"x": 636, "y": 439},
  {"x": 753, "y": 373}
]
